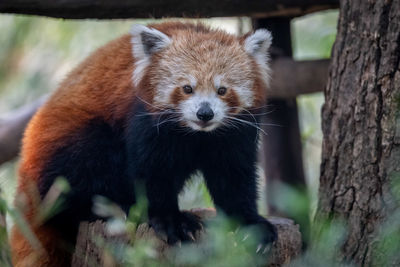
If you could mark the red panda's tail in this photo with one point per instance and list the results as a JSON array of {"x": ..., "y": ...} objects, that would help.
[
  {"x": 35, "y": 242},
  {"x": 25, "y": 254}
]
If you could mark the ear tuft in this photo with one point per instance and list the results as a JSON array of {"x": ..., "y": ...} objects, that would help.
[
  {"x": 257, "y": 45},
  {"x": 145, "y": 42},
  {"x": 259, "y": 42}
]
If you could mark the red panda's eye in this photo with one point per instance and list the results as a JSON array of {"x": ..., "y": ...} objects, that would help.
[
  {"x": 221, "y": 90},
  {"x": 187, "y": 89}
]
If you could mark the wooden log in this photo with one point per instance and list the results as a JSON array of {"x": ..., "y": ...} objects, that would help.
[
  {"x": 290, "y": 79},
  {"x": 87, "y": 253},
  {"x": 105, "y": 9},
  {"x": 89, "y": 249}
]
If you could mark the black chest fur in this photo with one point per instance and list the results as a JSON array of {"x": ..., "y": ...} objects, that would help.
[{"x": 179, "y": 151}]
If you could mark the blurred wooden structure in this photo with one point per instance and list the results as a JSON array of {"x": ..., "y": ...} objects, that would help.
[
  {"x": 104, "y": 9},
  {"x": 281, "y": 154}
]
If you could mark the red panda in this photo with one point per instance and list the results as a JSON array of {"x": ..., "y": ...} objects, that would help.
[{"x": 155, "y": 106}]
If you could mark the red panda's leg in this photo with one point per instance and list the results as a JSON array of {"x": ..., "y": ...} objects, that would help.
[
  {"x": 163, "y": 211},
  {"x": 50, "y": 252},
  {"x": 238, "y": 181}
]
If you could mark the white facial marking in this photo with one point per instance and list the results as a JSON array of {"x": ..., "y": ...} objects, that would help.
[
  {"x": 245, "y": 93},
  {"x": 257, "y": 45},
  {"x": 145, "y": 42},
  {"x": 193, "y": 81},
  {"x": 190, "y": 107},
  {"x": 218, "y": 81}
]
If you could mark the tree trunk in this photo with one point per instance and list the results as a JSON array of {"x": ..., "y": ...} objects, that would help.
[{"x": 361, "y": 127}]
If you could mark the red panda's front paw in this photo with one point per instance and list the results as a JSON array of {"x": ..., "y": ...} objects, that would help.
[
  {"x": 182, "y": 226},
  {"x": 270, "y": 232},
  {"x": 269, "y": 236}
]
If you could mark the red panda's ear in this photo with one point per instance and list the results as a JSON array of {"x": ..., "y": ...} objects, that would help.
[
  {"x": 145, "y": 42},
  {"x": 257, "y": 45},
  {"x": 258, "y": 42}
]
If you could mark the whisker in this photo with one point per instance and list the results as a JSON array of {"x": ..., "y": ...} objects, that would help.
[
  {"x": 248, "y": 123},
  {"x": 269, "y": 124},
  {"x": 158, "y": 113},
  {"x": 169, "y": 119},
  {"x": 259, "y": 123},
  {"x": 255, "y": 108},
  {"x": 254, "y": 118},
  {"x": 152, "y": 105},
  {"x": 254, "y": 114},
  {"x": 230, "y": 123},
  {"x": 158, "y": 121}
]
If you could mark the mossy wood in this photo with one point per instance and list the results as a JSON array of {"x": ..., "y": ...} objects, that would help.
[{"x": 89, "y": 253}]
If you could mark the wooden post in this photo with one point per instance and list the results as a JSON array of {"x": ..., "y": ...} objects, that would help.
[{"x": 282, "y": 150}]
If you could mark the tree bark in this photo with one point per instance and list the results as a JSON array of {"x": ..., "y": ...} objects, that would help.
[
  {"x": 105, "y": 9},
  {"x": 361, "y": 126}
]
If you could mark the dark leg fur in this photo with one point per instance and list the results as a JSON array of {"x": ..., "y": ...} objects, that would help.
[
  {"x": 230, "y": 175},
  {"x": 163, "y": 158},
  {"x": 233, "y": 188},
  {"x": 163, "y": 211}
]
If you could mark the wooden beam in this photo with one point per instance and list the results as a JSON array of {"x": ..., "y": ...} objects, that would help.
[
  {"x": 106, "y": 9},
  {"x": 292, "y": 78}
]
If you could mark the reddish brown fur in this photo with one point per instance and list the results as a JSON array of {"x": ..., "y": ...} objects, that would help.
[
  {"x": 232, "y": 99},
  {"x": 100, "y": 87},
  {"x": 178, "y": 96}
]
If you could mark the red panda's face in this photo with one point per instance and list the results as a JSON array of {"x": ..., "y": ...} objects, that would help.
[{"x": 206, "y": 77}]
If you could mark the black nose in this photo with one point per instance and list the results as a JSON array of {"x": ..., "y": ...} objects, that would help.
[{"x": 205, "y": 113}]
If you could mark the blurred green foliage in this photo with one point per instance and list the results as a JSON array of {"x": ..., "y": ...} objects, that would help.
[
  {"x": 314, "y": 34},
  {"x": 36, "y": 53}
]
